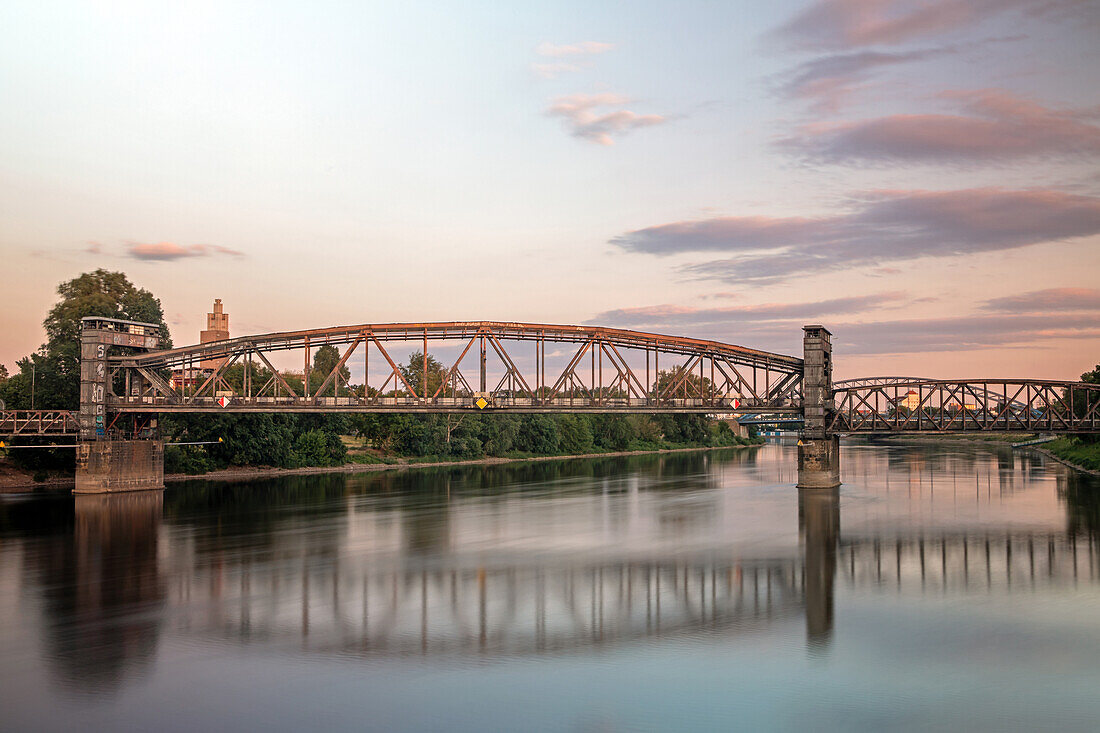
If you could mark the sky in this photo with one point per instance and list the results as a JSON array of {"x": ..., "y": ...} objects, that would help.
[{"x": 920, "y": 176}]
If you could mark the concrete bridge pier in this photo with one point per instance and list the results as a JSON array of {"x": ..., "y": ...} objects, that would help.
[
  {"x": 111, "y": 466},
  {"x": 818, "y": 451}
]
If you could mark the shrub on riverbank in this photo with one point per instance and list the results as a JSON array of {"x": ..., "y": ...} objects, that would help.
[{"x": 1077, "y": 451}]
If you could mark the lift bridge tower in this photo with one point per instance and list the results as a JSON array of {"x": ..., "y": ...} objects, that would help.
[
  {"x": 818, "y": 448},
  {"x": 108, "y": 461}
]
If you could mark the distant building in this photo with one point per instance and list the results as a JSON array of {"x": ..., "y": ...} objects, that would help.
[
  {"x": 189, "y": 379},
  {"x": 217, "y": 329},
  {"x": 911, "y": 400}
]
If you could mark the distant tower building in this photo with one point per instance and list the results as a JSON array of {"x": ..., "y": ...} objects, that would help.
[{"x": 217, "y": 329}]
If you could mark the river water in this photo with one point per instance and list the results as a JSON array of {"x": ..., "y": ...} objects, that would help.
[{"x": 946, "y": 587}]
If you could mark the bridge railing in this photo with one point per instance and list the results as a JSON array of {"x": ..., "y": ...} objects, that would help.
[
  {"x": 889, "y": 405},
  {"x": 232, "y": 402}
]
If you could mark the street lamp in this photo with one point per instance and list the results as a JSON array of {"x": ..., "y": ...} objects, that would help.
[{"x": 32, "y": 385}]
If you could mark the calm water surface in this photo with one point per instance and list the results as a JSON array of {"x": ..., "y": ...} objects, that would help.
[{"x": 946, "y": 587}]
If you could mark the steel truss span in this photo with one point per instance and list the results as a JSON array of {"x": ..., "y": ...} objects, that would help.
[
  {"x": 38, "y": 422},
  {"x": 896, "y": 404},
  {"x": 518, "y": 367}
]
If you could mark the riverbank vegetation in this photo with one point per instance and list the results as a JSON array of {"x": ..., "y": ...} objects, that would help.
[
  {"x": 1079, "y": 451},
  {"x": 1082, "y": 450},
  {"x": 295, "y": 441}
]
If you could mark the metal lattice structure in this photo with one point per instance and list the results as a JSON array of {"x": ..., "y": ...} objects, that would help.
[
  {"x": 568, "y": 369},
  {"x": 914, "y": 405},
  {"x": 38, "y": 422},
  {"x": 600, "y": 370}
]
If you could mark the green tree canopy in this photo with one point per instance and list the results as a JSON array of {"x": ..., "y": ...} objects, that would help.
[
  {"x": 53, "y": 372},
  {"x": 691, "y": 385},
  {"x": 325, "y": 360},
  {"x": 99, "y": 293},
  {"x": 413, "y": 372}
]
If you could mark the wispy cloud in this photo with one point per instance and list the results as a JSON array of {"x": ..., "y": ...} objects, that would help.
[
  {"x": 169, "y": 251},
  {"x": 825, "y": 83},
  {"x": 599, "y": 118},
  {"x": 1051, "y": 300},
  {"x": 584, "y": 48},
  {"x": 996, "y": 126},
  {"x": 867, "y": 335},
  {"x": 852, "y": 24},
  {"x": 570, "y": 57},
  {"x": 880, "y": 227},
  {"x": 673, "y": 315},
  {"x": 961, "y": 333}
]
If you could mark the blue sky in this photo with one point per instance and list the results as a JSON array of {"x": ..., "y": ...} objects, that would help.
[{"x": 886, "y": 167}]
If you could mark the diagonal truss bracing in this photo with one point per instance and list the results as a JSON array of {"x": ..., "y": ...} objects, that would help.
[
  {"x": 898, "y": 404},
  {"x": 606, "y": 370}
]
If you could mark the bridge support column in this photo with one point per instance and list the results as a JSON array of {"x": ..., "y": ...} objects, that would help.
[
  {"x": 110, "y": 466},
  {"x": 819, "y": 463},
  {"x": 818, "y": 450}
]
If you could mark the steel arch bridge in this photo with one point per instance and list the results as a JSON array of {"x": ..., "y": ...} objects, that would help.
[{"x": 500, "y": 366}]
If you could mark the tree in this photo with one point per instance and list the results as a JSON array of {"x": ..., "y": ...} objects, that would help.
[
  {"x": 538, "y": 434},
  {"x": 413, "y": 372},
  {"x": 3, "y": 374},
  {"x": 689, "y": 385},
  {"x": 324, "y": 361},
  {"x": 54, "y": 370},
  {"x": 574, "y": 434},
  {"x": 1082, "y": 406}
]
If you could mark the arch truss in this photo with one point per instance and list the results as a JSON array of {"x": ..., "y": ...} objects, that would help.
[{"x": 487, "y": 365}]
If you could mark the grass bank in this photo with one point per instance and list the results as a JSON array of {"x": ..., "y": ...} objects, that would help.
[{"x": 1075, "y": 452}]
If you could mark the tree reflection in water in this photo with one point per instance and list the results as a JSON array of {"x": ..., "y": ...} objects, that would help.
[{"x": 436, "y": 562}]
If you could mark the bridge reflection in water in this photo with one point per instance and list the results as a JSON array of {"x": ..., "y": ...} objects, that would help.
[{"x": 125, "y": 580}]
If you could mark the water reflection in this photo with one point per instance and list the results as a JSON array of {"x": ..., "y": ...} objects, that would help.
[
  {"x": 103, "y": 591},
  {"x": 537, "y": 559},
  {"x": 819, "y": 524}
]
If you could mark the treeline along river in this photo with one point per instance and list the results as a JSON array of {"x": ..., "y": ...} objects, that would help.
[{"x": 946, "y": 586}]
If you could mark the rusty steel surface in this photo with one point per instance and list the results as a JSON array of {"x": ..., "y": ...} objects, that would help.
[
  {"x": 38, "y": 422},
  {"x": 599, "y": 370},
  {"x": 894, "y": 405},
  {"x": 437, "y": 331},
  {"x": 611, "y": 370}
]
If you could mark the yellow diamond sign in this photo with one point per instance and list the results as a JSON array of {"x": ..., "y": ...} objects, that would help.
[{"x": 481, "y": 403}]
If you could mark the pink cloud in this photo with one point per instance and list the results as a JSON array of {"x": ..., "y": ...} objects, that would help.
[
  {"x": 677, "y": 315},
  {"x": 168, "y": 251},
  {"x": 880, "y": 228},
  {"x": 579, "y": 111},
  {"x": 996, "y": 125},
  {"x": 849, "y": 24},
  {"x": 1049, "y": 300},
  {"x": 827, "y": 82}
]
